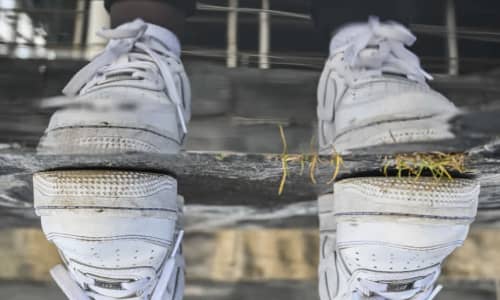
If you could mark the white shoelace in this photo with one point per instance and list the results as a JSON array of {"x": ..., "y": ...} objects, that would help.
[
  {"x": 420, "y": 290},
  {"x": 143, "y": 61},
  {"x": 379, "y": 47},
  {"x": 151, "y": 286}
]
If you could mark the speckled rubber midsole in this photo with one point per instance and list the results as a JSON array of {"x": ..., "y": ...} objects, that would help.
[
  {"x": 106, "y": 192},
  {"x": 425, "y": 198},
  {"x": 105, "y": 140},
  {"x": 393, "y": 132}
]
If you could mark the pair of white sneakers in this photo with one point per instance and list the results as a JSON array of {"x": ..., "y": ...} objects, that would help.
[{"x": 119, "y": 233}]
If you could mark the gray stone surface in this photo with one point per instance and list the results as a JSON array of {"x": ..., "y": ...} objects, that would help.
[
  {"x": 229, "y": 179},
  {"x": 237, "y": 110}
]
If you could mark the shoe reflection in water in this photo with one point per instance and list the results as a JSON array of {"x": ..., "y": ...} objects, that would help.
[{"x": 119, "y": 233}]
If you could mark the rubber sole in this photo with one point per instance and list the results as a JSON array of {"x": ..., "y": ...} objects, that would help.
[
  {"x": 326, "y": 213},
  {"x": 105, "y": 140},
  {"x": 114, "y": 193},
  {"x": 423, "y": 129},
  {"x": 417, "y": 200}
]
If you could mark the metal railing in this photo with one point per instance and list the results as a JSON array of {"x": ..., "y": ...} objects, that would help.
[
  {"x": 88, "y": 16},
  {"x": 265, "y": 24}
]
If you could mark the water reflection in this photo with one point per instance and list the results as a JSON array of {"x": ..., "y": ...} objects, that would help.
[{"x": 242, "y": 255}]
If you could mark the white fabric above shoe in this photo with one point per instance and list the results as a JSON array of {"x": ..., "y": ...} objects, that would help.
[
  {"x": 372, "y": 91},
  {"x": 133, "y": 97}
]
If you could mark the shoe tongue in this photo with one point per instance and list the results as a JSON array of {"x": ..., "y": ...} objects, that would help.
[
  {"x": 346, "y": 34},
  {"x": 395, "y": 289},
  {"x": 164, "y": 37},
  {"x": 374, "y": 31},
  {"x": 378, "y": 47},
  {"x": 400, "y": 285},
  {"x": 115, "y": 275},
  {"x": 398, "y": 279},
  {"x": 110, "y": 282}
]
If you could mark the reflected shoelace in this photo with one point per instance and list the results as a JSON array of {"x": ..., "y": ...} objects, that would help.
[
  {"x": 420, "y": 290},
  {"x": 377, "y": 47},
  {"x": 151, "y": 287},
  {"x": 143, "y": 62}
]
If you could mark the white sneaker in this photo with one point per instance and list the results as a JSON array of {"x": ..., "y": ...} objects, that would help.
[
  {"x": 118, "y": 233},
  {"x": 385, "y": 238},
  {"x": 133, "y": 97},
  {"x": 372, "y": 91}
]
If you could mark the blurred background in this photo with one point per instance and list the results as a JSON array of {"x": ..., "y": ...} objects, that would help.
[{"x": 253, "y": 64}]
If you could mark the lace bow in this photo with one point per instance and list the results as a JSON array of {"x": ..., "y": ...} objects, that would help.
[
  {"x": 122, "y": 40},
  {"x": 378, "y": 47}
]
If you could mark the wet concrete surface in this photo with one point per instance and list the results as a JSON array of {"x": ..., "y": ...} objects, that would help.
[{"x": 239, "y": 110}]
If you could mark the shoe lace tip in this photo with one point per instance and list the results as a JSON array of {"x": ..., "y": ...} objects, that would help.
[
  {"x": 182, "y": 119},
  {"x": 436, "y": 291}
]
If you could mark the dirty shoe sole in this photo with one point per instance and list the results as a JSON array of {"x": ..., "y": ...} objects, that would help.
[
  {"x": 394, "y": 132},
  {"x": 406, "y": 199},
  {"x": 113, "y": 223},
  {"x": 105, "y": 140},
  {"x": 116, "y": 193}
]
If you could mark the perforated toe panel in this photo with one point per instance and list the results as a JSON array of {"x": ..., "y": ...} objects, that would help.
[
  {"x": 113, "y": 253},
  {"x": 388, "y": 258}
]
